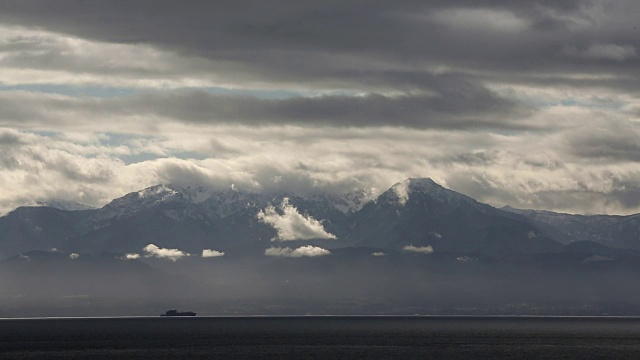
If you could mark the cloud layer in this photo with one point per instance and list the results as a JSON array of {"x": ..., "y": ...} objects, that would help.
[{"x": 533, "y": 104}]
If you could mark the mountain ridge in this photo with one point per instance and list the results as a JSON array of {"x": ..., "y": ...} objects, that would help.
[{"x": 416, "y": 213}]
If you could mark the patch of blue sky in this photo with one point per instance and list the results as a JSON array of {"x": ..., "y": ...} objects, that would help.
[
  {"x": 132, "y": 141},
  {"x": 145, "y": 156},
  {"x": 137, "y": 158},
  {"x": 259, "y": 93},
  {"x": 45, "y": 133},
  {"x": 118, "y": 139},
  {"x": 114, "y": 92},
  {"x": 277, "y": 93},
  {"x": 110, "y": 139},
  {"x": 596, "y": 104},
  {"x": 69, "y": 90}
]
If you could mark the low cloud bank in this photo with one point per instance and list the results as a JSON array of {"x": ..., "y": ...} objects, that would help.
[
  {"x": 419, "y": 249},
  {"x": 209, "y": 253},
  {"x": 152, "y": 250},
  {"x": 303, "y": 251},
  {"x": 292, "y": 225}
]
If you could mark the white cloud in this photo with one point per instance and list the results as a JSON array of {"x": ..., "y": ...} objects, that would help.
[
  {"x": 402, "y": 191},
  {"x": 74, "y": 256},
  {"x": 292, "y": 225},
  {"x": 303, "y": 251},
  {"x": 208, "y": 253},
  {"x": 152, "y": 250},
  {"x": 418, "y": 249},
  {"x": 378, "y": 253},
  {"x": 131, "y": 256}
]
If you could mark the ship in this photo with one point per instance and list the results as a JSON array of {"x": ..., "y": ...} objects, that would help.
[{"x": 174, "y": 312}]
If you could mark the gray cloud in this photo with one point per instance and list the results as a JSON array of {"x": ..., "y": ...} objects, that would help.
[
  {"x": 313, "y": 42},
  {"x": 470, "y": 108},
  {"x": 10, "y": 138},
  {"x": 604, "y": 52},
  {"x": 533, "y": 104},
  {"x": 458, "y": 107},
  {"x": 612, "y": 141},
  {"x": 627, "y": 193}
]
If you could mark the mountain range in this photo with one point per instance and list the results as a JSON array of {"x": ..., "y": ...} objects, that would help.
[
  {"x": 415, "y": 248},
  {"x": 414, "y": 215}
]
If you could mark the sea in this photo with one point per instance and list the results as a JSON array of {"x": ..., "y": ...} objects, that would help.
[{"x": 322, "y": 337}]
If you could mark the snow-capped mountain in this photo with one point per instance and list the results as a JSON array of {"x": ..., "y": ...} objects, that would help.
[
  {"x": 611, "y": 230},
  {"x": 349, "y": 202},
  {"x": 417, "y": 241},
  {"x": 423, "y": 214},
  {"x": 413, "y": 215},
  {"x": 135, "y": 201},
  {"x": 63, "y": 205},
  {"x": 403, "y": 191}
]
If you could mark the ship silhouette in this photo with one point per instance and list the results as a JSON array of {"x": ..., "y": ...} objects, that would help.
[{"x": 174, "y": 312}]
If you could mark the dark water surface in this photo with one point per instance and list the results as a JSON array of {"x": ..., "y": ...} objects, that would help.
[{"x": 321, "y": 337}]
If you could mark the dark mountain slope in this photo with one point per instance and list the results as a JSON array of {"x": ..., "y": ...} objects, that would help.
[{"x": 420, "y": 212}]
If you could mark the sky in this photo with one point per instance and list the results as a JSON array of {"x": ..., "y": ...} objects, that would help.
[{"x": 533, "y": 104}]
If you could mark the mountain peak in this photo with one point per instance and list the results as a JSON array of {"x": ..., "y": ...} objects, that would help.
[
  {"x": 426, "y": 186},
  {"x": 405, "y": 188},
  {"x": 155, "y": 190},
  {"x": 134, "y": 201},
  {"x": 422, "y": 182}
]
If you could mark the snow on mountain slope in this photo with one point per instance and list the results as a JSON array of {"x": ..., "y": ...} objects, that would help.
[
  {"x": 135, "y": 201},
  {"x": 63, "y": 205},
  {"x": 403, "y": 191},
  {"x": 349, "y": 202},
  {"x": 611, "y": 230},
  {"x": 416, "y": 212}
]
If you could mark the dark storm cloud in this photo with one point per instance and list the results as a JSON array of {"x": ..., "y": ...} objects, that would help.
[
  {"x": 482, "y": 158},
  {"x": 621, "y": 193},
  {"x": 460, "y": 107},
  {"x": 615, "y": 141},
  {"x": 468, "y": 110},
  {"x": 10, "y": 139},
  {"x": 316, "y": 41},
  {"x": 421, "y": 64},
  {"x": 627, "y": 193},
  {"x": 618, "y": 147}
]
